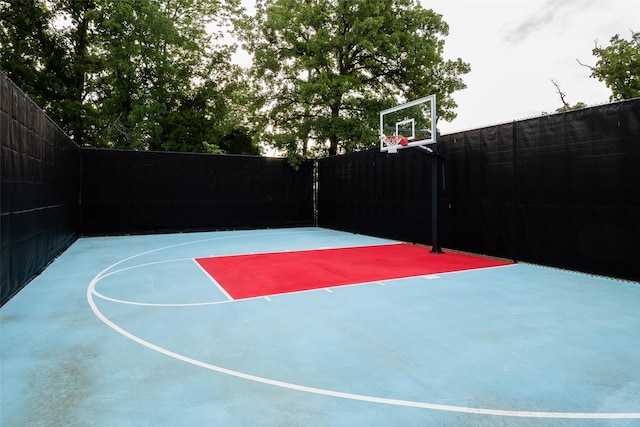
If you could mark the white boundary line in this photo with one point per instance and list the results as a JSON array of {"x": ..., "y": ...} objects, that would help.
[
  {"x": 360, "y": 397},
  {"x": 159, "y": 304},
  {"x": 215, "y": 282},
  {"x": 148, "y": 304},
  {"x": 91, "y": 292}
]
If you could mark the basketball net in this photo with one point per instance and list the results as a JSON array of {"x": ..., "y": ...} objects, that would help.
[{"x": 392, "y": 142}]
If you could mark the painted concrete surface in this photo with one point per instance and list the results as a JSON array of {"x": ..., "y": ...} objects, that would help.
[{"x": 128, "y": 331}]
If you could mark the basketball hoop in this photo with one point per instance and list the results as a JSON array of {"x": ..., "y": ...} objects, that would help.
[{"x": 393, "y": 141}]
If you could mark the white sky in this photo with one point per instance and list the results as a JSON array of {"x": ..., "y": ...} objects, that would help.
[{"x": 516, "y": 47}]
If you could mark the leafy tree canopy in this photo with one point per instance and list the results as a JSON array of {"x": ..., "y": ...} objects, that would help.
[
  {"x": 137, "y": 74},
  {"x": 618, "y": 66},
  {"x": 327, "y": 67}
]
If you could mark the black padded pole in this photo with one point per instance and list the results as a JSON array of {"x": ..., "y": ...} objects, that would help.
[{"x": 435, "y": 196}]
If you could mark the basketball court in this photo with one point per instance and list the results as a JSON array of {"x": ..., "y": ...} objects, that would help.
[
  {"x": 314, "y": 327},
  {"x": 155, "y": 322}
]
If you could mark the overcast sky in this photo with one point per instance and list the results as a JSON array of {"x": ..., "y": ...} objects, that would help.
[{"x": 516, "y": 47}]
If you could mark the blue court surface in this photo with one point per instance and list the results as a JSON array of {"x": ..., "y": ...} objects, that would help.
[{"x": 129, "y": 331}]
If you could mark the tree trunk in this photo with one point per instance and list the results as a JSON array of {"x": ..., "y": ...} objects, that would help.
[
  {"x": 333, "y": 138},
  {"x": 77, "y": 91}
]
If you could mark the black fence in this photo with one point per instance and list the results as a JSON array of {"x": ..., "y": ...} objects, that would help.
[
  {"x": 39, "y": 193},
  {"x": 150, "y": 192},
  {"x": 53, "y": 191},
  {"x": 380, "y": 194},
  {"x": 560, "y": 190}
]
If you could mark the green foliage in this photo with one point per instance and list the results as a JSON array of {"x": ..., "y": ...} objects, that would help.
[
  {"x": 135, "y": 74},
  {"x": 49, "y": 64},
  {"x": 618, "y": 66},
  {"x": 326, "y": 68},
  {"x": 576, "y": 106}
]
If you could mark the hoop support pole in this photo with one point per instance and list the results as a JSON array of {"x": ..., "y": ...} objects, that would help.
[{"x": 435, "y": 195}]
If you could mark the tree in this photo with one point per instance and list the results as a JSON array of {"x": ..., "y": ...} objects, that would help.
[
  {"x": 166, "y": 88},
  {"x": 137, "y": 74},
  {"x": 153, "y": 55},
  {"x": 618, "y": 66},
  {"x": 50, "y": 64},
  {"x": 327, "y": 67},
  {"x": 565, "y": 105}
]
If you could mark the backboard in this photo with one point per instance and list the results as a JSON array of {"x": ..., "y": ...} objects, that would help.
[{"x": 415, "y": 120}]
